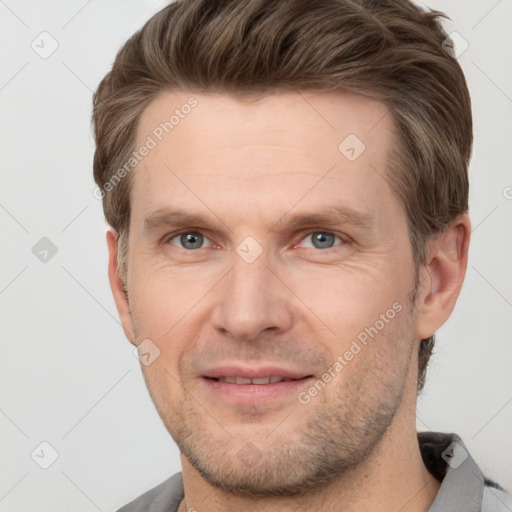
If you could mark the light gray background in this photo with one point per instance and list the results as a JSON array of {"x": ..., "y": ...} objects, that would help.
[{"x": 68, "y": 376}]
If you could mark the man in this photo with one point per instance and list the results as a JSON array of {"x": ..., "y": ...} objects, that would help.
[{"x": 286, "y": 185}]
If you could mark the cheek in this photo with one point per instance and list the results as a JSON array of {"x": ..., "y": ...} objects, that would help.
[
  {"x": 164, "y": 299},
  {"x": 160, "y": 316},
  {"x": 347, "y": 300},
  {"x": 370, "y": 356}
]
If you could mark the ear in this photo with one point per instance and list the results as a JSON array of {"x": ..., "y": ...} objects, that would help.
[
  {"x": 442, "y": 277},
  {"x": 117, "y": 286}
]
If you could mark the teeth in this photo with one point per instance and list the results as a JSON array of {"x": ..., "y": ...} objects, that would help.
[{"x": 260, "y": 380}]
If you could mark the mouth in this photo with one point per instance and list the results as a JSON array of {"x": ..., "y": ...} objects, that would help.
[
  {"x": 249, "y": 386},
  {"x": 258, "y": 381}
]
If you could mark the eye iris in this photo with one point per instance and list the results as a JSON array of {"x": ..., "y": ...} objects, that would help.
[
  {"x": 191, "y": 240},
  {"x": 322, "y": 240}
]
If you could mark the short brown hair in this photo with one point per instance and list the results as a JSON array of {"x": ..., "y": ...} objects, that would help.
[{"x": 390, "y": 50}]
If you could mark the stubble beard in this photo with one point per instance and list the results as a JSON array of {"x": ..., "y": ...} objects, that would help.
[
  {"x": 340, "y": 435},
  {"x": 332, "y": 443}
]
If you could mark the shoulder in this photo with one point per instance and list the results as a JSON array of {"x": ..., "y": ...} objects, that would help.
[{"x": 165, "y": 497}]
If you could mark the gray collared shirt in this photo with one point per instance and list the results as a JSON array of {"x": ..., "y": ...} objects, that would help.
[{"x": 463, "y": 486}]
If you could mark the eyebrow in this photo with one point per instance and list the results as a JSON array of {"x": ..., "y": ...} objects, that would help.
[
  {"x": 332, "y": 216},
  {"x": 165, "y": 217}
]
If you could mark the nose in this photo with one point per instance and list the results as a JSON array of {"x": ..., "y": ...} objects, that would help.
[{"x": 252, "y": 300}]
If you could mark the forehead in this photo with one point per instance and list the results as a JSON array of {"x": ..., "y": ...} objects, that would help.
[
  {"x": 313, "y": 115},
  {"x": 314, "y": 147}
]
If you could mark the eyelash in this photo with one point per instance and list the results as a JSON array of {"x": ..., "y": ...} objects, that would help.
[{"x": 343, "y": 239}]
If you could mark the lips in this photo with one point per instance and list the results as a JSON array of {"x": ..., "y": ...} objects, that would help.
[
  {"x": 260, "y": 380},
  {"x": 257, "y": 376},
  {"x": 241, "y": 386}
]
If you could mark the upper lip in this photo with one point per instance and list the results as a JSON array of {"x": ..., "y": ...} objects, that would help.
[{"x": 252, "y": 372}]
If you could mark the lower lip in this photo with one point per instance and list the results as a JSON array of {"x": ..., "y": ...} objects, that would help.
[{"x": 242, "y": 394}]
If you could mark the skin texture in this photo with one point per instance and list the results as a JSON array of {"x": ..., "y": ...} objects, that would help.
[{"x": 248, "y": 167}]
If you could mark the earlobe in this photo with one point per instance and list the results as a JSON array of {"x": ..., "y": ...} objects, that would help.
[
  {"x": 443, "y": 276},
  {"x": 118, "y": 286}
]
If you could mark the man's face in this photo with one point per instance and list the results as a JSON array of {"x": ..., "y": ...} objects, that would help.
[{"x": 259, "y": 247}]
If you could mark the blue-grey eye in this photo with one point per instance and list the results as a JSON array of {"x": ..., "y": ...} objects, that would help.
[
  {"x": 189, "y": 240},
  {"x": 321, "y": 240}
]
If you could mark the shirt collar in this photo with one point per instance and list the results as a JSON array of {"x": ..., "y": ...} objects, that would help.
[{"x": 462, "y": 482}]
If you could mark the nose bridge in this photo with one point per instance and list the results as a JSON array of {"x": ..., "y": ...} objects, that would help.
[{"x": 252, "y": 298}]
